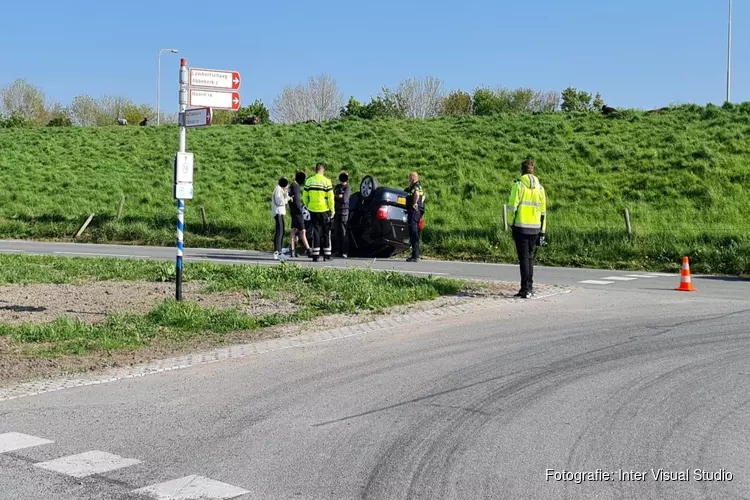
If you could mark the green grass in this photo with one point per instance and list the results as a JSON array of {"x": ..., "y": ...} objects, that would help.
[
  {"x": 682, "y": 175},
  {"x": 315, "y": 291}
]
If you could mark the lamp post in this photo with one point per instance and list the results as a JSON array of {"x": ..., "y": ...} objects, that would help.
[
  {"x": 729, "y": 54},
  {"x": 158, "y": 80}
]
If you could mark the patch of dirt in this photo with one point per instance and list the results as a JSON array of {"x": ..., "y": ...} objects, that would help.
[
  {"x": 15, "y": 366},
  {"x": 92, "y": 302}
]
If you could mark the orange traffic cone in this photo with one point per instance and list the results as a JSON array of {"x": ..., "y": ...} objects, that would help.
[{"x": 686, "y": 282}]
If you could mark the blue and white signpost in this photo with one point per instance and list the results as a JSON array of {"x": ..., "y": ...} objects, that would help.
[
  {"x": 183, "y": 178},
  {"x": 192, "y": 118}
]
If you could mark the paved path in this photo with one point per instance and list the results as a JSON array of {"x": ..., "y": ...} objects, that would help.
[
  {"x": 458, "y": 408},
  {"x": 587, "y": 278}
]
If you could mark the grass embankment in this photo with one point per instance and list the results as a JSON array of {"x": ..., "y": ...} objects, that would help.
[
  {"x": 682, "y": 174},
  {"x": 315, "y": 292}
]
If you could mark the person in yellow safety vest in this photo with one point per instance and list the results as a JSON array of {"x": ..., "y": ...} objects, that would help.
[
  {"x": 318, "y": 198},
  {"x": 527, "y": 208}
]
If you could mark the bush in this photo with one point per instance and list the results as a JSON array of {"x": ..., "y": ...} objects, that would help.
[
  {"x": 15, "y": 121},
  {"x": 60, "y": 121},
  {"x": 257, "y": 109},
  {"x": 457, "y": 103}
]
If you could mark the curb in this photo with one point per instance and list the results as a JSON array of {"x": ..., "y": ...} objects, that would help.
[{"x": 35, "y": 388}]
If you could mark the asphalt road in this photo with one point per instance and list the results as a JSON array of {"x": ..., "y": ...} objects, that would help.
[
  {"x": 595, "y": 279},
  {"x": 625, "y": 379}
]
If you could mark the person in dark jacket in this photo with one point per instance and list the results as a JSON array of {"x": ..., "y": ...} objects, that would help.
[
  {"x": 296, "y": 209},
  {"x": 414, "y": 211},
  {"x": 341, "y": 194}
]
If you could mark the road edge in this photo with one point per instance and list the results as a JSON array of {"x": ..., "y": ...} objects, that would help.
[{"x": 34, "y": 388}]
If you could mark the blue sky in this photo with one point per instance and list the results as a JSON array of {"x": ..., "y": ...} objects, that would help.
[{"x": 637, "y": 53}]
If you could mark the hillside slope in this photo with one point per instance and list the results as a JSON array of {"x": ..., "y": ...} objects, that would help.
[{"x": 682, "y": 174}]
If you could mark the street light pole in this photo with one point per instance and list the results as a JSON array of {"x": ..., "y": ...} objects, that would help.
[
  {"x": 729, "y": 54},
  {"x": 158, "y": 80}
]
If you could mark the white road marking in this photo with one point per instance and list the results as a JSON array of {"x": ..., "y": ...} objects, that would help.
[
  {"x": 619, "y": 278},
  {"x": 667, "y": 275},
  {"x": 596, "y": 282},
  {"x": 12, "y": 441},
  {"x": 89, "y": 254},
  {"x": 641, "y": 276},
  {"x": 87, "y": 464},
  {"x": 191, "y": 488}
]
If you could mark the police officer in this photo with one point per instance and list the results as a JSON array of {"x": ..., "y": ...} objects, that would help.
[
  {"x": 528, "y": 210},
  {"x": 342, "y": 192},
  {"x": 414, "y": 212},
  {"x": 318, "y": 198}
]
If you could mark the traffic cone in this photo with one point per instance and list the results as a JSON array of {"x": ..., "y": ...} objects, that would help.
[{"x": 686, "y": 282}]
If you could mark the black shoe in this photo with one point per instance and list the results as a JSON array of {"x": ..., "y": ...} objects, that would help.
[
  {"x": 523, "y": 294},
  {"x": 412, "y": 259},
  {"x": 315, "y": 259},
  {"x": 327, "y": 258}
]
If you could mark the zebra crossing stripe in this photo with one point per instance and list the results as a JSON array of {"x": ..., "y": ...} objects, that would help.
[
  {"x": 87, "y": 464},
  {"x": 191, "y": 488},
  {"x": 12, "y": 441},
  {"x": 596, "y": 282},
  {"x": 619, "y": 278}
]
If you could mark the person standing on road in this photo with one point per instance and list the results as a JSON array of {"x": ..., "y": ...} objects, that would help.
[
  {"x": 341, "y": 193},
  {"x": 414, "y": 212},
  {"x": 318, "y": 197},
  {"x": 278, "y": 209},
  {"x": 296, "y": 209},
  {"x": 528, "y": 215}
]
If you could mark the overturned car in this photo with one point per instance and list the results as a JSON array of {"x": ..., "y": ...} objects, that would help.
[{"x": 377, "y": 225}]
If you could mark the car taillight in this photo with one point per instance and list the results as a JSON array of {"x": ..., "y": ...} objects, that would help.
[
  {"x": 421, "y": 224},
  {"x": 383, "y": 213}
]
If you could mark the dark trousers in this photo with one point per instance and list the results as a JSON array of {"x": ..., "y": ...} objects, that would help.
[
  {"x": 279, "y": 236},
  {"x": 321, "y": 226},
  {"x": 413, "y": 221},
  {"x": 525, "y": 246},
  {"x": 340, "y": 236}
]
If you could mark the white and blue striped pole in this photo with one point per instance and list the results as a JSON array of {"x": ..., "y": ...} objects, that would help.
[
  {"x": 181, "y": 203},
  {"x": 180, "y": 247}
]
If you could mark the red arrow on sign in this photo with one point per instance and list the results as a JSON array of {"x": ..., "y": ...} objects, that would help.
[
  {"x": 235, "y": 80},
  {"x": 235, "y": 100}
]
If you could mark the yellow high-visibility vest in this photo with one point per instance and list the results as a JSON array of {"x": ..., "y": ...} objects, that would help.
[
  {"x": 318, "y": 194},
  {"x": 528, "y": 204}
]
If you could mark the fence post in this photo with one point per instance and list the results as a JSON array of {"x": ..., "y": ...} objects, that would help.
[
  {"x": 628, "y": 228},
  {"x": 120, "y": 208},
  {"x": 505, "y": 217},
  {"x": 84, "y": 226},
  {"x": 203, "y": 216}
]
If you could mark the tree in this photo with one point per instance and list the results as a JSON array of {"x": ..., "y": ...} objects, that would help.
[
  {"x": 85, "y": 110},
  {"x": 545, "y": 102},
  {"x": 575, "y": 100},
  {"x": 59, "y": 116},
  {"x": 319, "y": 100},
  {"x": 113, "y": 107},
  {"x": 256, "y": 109},
  {"x": 24, "y": 100},
  {"x": 456, "y": 103},
  {"x": 135, "y": 113},
  {"x": 420, "y": 98},
  {"x": 598, "y": 102}
]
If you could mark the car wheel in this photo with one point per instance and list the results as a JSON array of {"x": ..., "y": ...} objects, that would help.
[{"x": 368, "y": 186}]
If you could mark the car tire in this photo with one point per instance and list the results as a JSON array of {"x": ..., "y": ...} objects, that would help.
[{"x": 368, "y": 186}]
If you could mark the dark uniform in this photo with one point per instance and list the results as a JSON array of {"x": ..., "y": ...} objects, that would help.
[
  {"x": 414, "y": 216},
  {"x": 341, "y": 194},
  {"x": 318, "y": 198}
]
